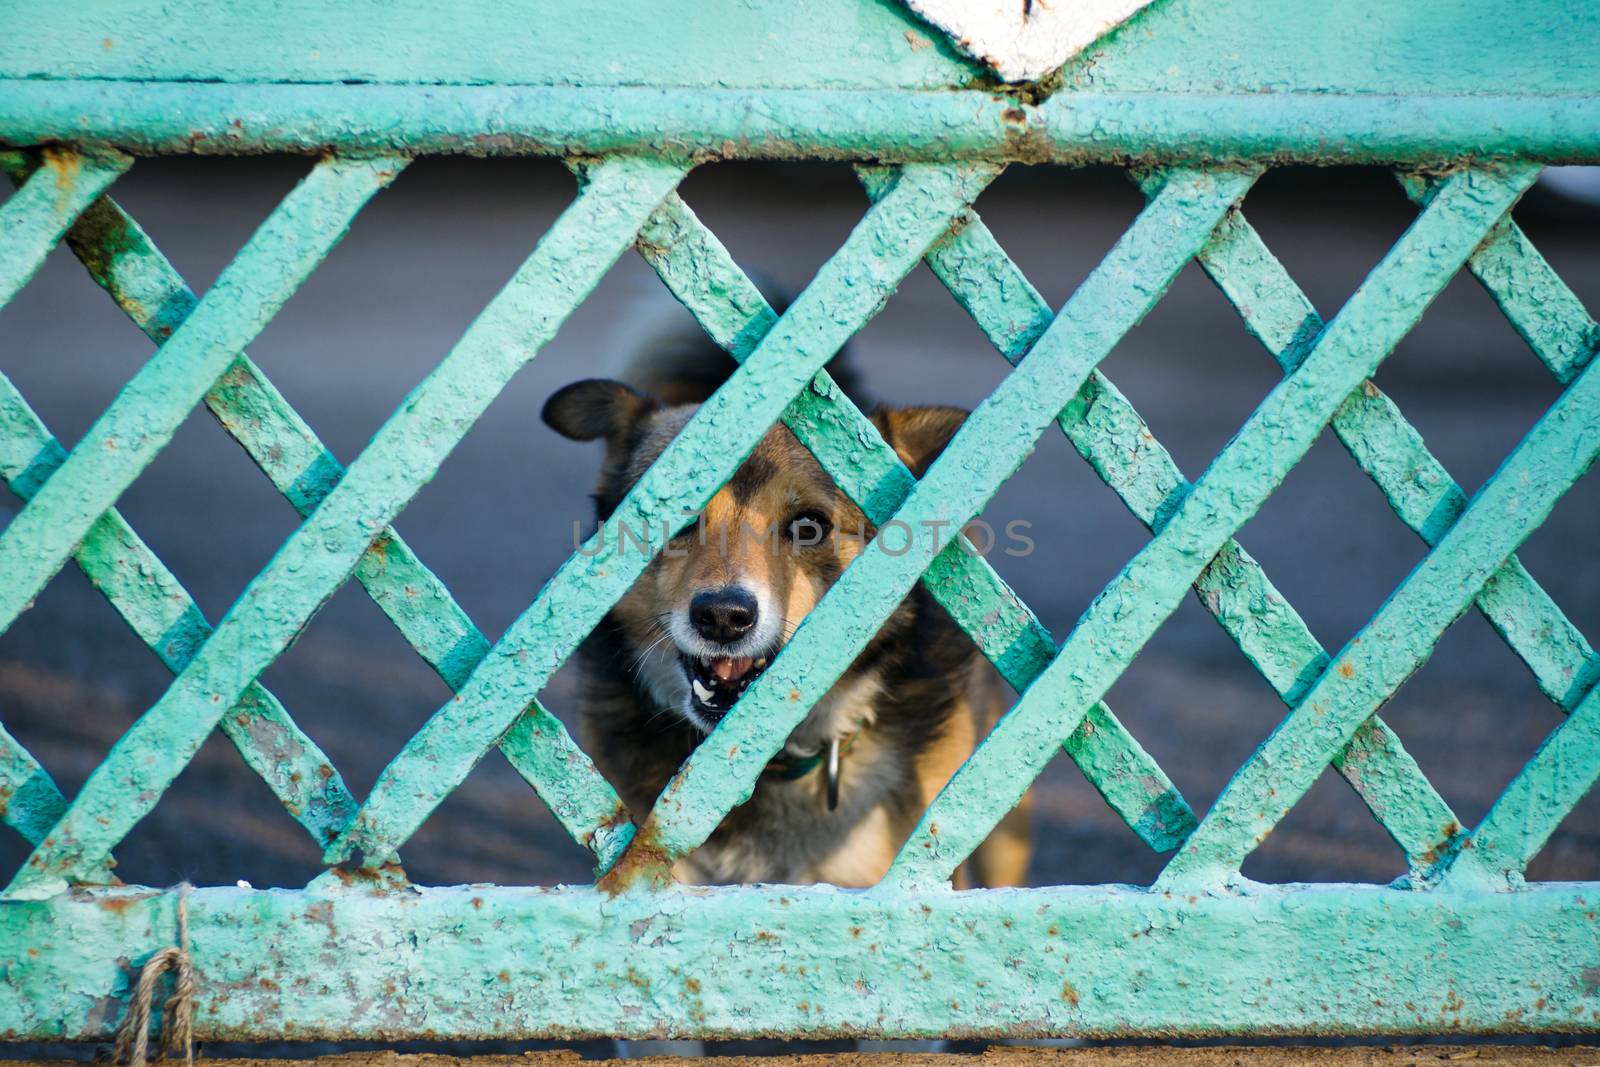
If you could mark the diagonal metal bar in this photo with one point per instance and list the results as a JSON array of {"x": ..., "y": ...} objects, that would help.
[
  {"x": 988, "y": 448},
  {"x": 325, "y": 550},
  {"x": 701, "y": 274},
  {"x": 123, "y": 259},
  {"x": 36, "y": 215},
  {"x": 1510, "y": 506},
  {"x": 1135, "y": 603},
  {"x": 1538, "y": 304},
  {"x": 30, "y": 801},
  {"x": 161, "y": 612},
  {"x": 1111, "y": 435},
  {"x": 1542, "y": 794},
  {"x": 849, "y": 289},
  {"x": 1423, "y": 494},
  {"x": 1393, "y": 454},
  {"x": 144, "y": 416}
]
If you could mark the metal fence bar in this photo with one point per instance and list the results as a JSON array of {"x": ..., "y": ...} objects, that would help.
[
  {"x": 1106, "y": 430},
  {"x": 1422, "y": 494},
  {"x": 849, "y": 289},
  {"x": 1274, "y": 438},
  {"x": 701, "y": 274},
  {"x": 1556, "y": 452},
  {"x": 1074, "y": 128},
  {"x": 723, "y": 961},
  {"x": 1393, "y": 454},
  {"x": 1542, "y": 794},
  {"x": 271, "y": 266},
  {"x": 1539, "y": 305},
  {"x": 990, "y": 445},
  {"x": 123, "y": 259},
  {"x": 163, "y": 615},
  {"x": 33, "y": 219},
  {"x": 30, "y": 800},
  {"x": 323, "y": 552}
]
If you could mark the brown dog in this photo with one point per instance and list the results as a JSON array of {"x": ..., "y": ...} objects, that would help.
[{"x": 708, "y": 615}]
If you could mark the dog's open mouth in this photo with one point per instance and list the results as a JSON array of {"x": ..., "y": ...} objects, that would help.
[{"x": 716, "y": 682}]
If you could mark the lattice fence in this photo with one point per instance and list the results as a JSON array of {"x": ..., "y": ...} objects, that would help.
[{"x": 1461, "y": 942}]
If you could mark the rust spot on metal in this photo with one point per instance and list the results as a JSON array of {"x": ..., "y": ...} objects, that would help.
[
  {"x": 117, "y": 905},
  {"x": 1346, "y": 670},
  {"x": 1069, "y": 994},
  {"x": 357, "y": 875},
  {"x": 644, "y": 861},
  {"x": 617, "y": 816}
]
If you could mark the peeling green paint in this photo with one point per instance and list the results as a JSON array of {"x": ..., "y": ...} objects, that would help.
[
  {"x": 990, "y": 445},
  {"x": 121, "y": 257},
  {"x": 886, "y": 125},
  {"x": 699, "y": 271},
  {"x": 1126, "y": 613},
  {"x": 848, "y": 290},
  {"x": 1200, "y": 94},
  {"x": 326, "y": 549},
  {"x": 486, "y": 961}
]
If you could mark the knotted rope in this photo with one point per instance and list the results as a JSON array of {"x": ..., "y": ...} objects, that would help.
[{"x": 177, "y": 1015}]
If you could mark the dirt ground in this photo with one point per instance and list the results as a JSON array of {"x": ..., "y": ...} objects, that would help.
[
  {"x": 427, "y": 255},
  {"x": 1119, "y": 1056}
]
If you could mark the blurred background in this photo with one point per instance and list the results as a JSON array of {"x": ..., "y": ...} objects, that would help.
[{"x": 427, "y": 255}]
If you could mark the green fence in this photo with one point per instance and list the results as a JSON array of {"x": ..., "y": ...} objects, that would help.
[{"x": 1466, "y": 99}]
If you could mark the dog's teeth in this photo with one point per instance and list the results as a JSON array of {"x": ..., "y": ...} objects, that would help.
[
  {"x": 701, "y": 692},
  {"x": 760, "y": 663}
]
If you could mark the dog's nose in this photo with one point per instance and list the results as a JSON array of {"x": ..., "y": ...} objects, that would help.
[{"x": 723, "y": 615}]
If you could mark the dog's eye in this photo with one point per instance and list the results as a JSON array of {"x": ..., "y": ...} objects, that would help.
[{"x": 809, "y": 528}]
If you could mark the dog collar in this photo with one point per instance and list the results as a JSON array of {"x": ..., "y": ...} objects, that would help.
[{"x": 789, "y": 768}]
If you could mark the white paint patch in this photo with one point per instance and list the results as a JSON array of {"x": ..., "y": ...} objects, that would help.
[{"x": 1024, "y": 40}]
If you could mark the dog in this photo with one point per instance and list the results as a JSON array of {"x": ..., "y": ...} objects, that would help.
[{"x": 712, "y": 610}]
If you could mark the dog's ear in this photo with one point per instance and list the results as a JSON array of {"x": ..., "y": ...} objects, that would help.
[
  {"x": 596, "y": 408},
  {"x": 918, "y": 435}
]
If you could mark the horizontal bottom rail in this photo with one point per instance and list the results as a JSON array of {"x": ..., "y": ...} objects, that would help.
[
  {"x": 892, "y": 126},
  {"x": 369, "y": 961}
]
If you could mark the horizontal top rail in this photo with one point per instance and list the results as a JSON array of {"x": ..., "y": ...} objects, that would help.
[
  {"x": 1183, "y": 81},
  {"x": 889, "y": 125}
]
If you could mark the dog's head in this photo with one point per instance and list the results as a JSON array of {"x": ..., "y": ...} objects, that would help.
[{"x": 718, "y": 603}]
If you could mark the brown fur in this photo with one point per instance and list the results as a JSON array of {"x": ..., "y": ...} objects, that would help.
[{"x": 916, "y": 700}]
